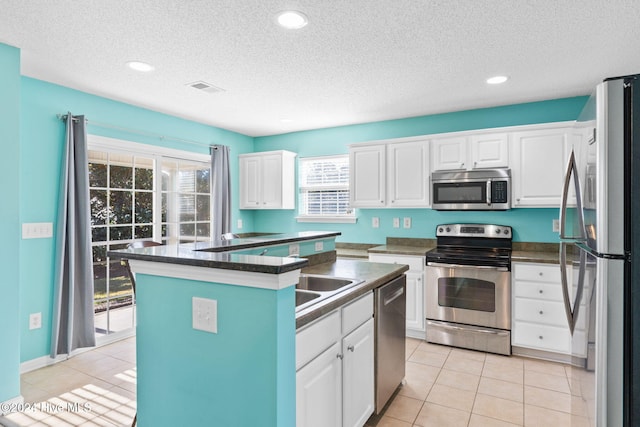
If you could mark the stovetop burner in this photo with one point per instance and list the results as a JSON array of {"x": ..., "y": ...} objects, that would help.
[{"x": 472, "y": 244}]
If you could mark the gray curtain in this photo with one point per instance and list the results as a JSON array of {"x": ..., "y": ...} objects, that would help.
[
  {"x": 220, "y": 191},
  {"x": 73, "y": 325}
]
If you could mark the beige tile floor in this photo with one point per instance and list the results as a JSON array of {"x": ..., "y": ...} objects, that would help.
[
  {"x": 102, "y": 382},
  {"x": 455, "y": 387},
  {"x": 444, "y": 387}
]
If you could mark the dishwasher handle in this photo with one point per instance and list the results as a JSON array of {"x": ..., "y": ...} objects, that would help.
[{"x": 394, "y": 296}]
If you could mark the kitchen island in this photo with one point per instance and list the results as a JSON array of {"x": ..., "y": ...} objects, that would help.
[{"x": 242, "y": 372}]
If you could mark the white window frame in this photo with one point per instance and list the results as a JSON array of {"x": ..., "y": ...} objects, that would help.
[
  {"x": 349, "y": 218},
  {"x": 102, "y": 143}
]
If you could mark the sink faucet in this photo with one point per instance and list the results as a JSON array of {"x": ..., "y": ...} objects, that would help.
[{"x": 263, "y": 252}]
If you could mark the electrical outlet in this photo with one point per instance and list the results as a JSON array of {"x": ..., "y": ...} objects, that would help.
[
  {"x": 239, "y": 224},
  {"x": 319, "y": 246},
  {"x": 294, "y": 249},
  {"x": 205, "y": 314},
  {"x": 556, "y": 226},
  {"x": 396, "y": 222},
  {"x": 375, "y": 222},
  {"x": 35, "y": 321},
  {"x": 406, "y": 223}
]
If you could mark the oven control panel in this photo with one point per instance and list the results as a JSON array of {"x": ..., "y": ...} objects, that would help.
[{"x": 474, "y": 230}]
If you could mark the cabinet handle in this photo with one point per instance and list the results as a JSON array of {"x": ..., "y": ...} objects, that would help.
[
  {"x": 475, "y": 164},
  {"x": 462, "y": 165},
  {"x": 351, "y": 348},
  {"x": 339, "y": 356},
  {"x": 381, "y": 201},
  {"x": 540, "y": 274},
  {"x": 540, "y": 291},
  {"x": 540, "y": 337},
  {"x": 541, "y": 312}
]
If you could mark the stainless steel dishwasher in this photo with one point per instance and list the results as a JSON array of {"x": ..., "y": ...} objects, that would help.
[{"x": 390, "y": 315}]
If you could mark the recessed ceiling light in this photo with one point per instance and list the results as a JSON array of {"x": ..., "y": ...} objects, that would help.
[
  {"x": 496, "y": 80},
  {"x": 143, "y": 67},
  {"x": 292, "y": 20}
]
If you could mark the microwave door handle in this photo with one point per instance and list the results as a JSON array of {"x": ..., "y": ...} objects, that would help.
[{"x": 489, "y": 193}]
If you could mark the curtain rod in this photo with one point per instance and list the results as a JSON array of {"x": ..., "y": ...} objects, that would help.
[{"x": 139, "y": 132}]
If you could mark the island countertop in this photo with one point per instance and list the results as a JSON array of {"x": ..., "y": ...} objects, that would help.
[{"x": 216, "y": 254}]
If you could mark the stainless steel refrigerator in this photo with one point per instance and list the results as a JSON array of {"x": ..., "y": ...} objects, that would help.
[{"x": 600, "y": 225}]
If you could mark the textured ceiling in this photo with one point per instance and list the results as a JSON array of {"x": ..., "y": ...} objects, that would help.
[{"x": 356, "y": 61}]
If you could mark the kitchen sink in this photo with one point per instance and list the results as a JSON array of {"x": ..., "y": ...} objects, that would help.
[
  {"x": 324, "y": 283},
  {"x": 305, "y": 299},
  {"x": 311, "y": 289}
]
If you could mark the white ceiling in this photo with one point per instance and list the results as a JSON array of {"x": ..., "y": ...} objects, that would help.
[{"x": 356, "y": 61}]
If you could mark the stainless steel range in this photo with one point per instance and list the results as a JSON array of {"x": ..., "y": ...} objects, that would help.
[{"x": 468, "y": 287}]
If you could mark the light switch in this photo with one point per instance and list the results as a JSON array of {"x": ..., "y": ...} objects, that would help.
[
  {"x": 555, "y": 226},
  {"x": 205, "y": 314},
  {"x": 396, "y": 222},
  {"x": 239, "y": 224},
  {"x": 294, "y": 249},
  {"x": 319, "y": 246},
  {"x": 375, "y": 222},
  {"x": 37, "y": 230}
]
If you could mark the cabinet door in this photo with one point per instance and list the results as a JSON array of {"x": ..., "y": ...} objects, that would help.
[
  {"x": 490, "y": 150},
  {"x": 538, "y": 167},
  {"x": 271, "y": 181},
  {"x": 407, "y": 171},
  {"x": 449, "y": 153},
  {"x": 319, "y": 390},
  {"x": 415, "y": 302},
  {"x": 250, "y": 180},
  {"x": 358, "y": 380},
  {"x": 367, "y": 178}
]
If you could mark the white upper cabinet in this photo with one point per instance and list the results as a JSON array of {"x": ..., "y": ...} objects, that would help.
[
  {"x": 408, "y": 174},
  {"x": 538, "y": 163},
  {"x": 267, "y": 180},
  {"x": 393, "y": 174},
  {"x": 470, "y": 151},
  {"x": 367, "y": 176}
]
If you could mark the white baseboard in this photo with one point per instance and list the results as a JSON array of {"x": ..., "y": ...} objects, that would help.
[
  {"x": 41, "y": 362},
  {"x": 11, "y": 403}
]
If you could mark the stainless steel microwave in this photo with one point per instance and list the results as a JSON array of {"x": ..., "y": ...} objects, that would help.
[{"x": 475, "y": 190}]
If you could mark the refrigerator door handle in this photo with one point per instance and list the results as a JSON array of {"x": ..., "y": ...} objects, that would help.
[
  {"x": 571, "y": 310},
  {"x": 572, "y": 169}
]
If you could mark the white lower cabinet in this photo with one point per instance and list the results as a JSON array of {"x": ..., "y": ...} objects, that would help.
[
  {"x": 357, "y": 376},
  {"x": 415, "y": 289},
  {"x": 539, "y": 319},
  {"x": 319, "y": 392},
  {"x": 335, "y": 367}
]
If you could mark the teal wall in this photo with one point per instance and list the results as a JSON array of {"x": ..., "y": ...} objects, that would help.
[
  {"x": 242, "y": 376},
  {"x": 10, "y": 319},
  {"x": 533, "y": 225},
  {"x": 42, "y": 136}
]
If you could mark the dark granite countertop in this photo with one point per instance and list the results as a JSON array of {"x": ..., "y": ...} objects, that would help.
[
  {"x": 264, "y": 239},
  {"x": 374, "y": 275},
  {"x": 215, "y": 254},
  {"x": 186, "y": 255}
]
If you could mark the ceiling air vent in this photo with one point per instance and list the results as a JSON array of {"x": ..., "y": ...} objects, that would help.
[{"x": 205, "y": 87}]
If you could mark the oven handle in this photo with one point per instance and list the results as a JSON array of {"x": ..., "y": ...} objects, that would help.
[{"x": 482, "y": 267}]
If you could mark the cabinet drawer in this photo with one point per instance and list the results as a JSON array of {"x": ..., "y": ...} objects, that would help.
[
  {"x": 541, "y": 337},
  {"x": 415, "y": 263},
  {"x": 538, "y": 290},
  {"x": 537, "y": 272},
  {"x": 317, "y": 337},
  {"x": 539, "y": 311},
  {"x": 357, "y": 312}
]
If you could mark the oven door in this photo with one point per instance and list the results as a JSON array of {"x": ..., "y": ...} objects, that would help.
[{"x": 469, "y": 294}]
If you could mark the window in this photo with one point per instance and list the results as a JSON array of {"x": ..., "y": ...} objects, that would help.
[
  {"x": 138, "y": 194},
  {"x": 324, "y": 189}
]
